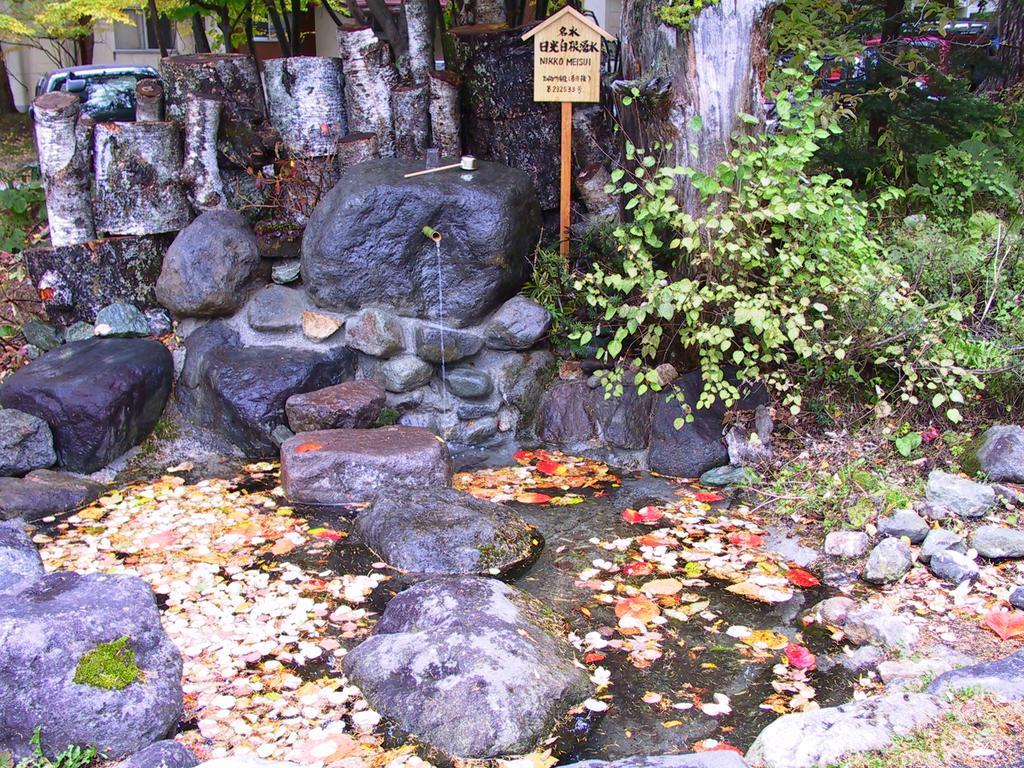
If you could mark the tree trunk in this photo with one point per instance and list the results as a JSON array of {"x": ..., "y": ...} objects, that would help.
[
  {"x": 419, "y": 24},
  {"x": 369, "y": 77},
  {"x": 137, "y": 179},
  {"x": 590, "y": 183},
  {"x": 306, "y": 100},
  {"x": 149, "y": 100},
  {"x": 357, "y": 148},
  {"x": 226, "y": 29},
  {"x": 7, "y": 105},
  {"x": 714, "y": 71},
  {"x": 446, "y": 113},
  {"x": 202, "y": 42},
  {"x": 154, "y": 15},
  {"x": 64, "y": 165},
  {"x": 592, "y": 137},
  {"x": 302, "y": 182},
  {"x": 410, "y": 104},
  {"x": 85, "y": 46},
  {"x": 246, "y": 139},
  {"x": 199, "y": 172},
  {"x": 490, "y": 12},
  {"x": 1011, "y": 46}
]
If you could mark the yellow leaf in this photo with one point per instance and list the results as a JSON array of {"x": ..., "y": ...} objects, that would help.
[{"x": 765, "y": 639}]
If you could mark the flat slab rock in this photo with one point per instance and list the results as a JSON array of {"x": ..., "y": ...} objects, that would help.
[
  {"x": 44, "y": 632},
  {"x": 349, "y": 405},
  {"x": 471, "y": 666},
  {"x": 20, "y": 564},
  {"x": 1003, "y": 677},
  {"x": 44, "y": 492},
  {"x": 442, "y": 531},
  {"x": 826, "y": 736},
  {"x": 100, "y": 397},
  {"x": 338, "y": 466}
]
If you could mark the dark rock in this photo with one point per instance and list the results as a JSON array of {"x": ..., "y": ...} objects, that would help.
[
  {"x": 904, "y": 522},
  {"x": 996, "y": 542},
  {"x": 888, "y": 562},
  {"x": 456, "y": 344},
  {"x": 342, "y": 465},
  {"x": 937, "y": 540},
  {"x": 44, "y": 633},
  {"x": 729, "y": 475},
  {"x": 280, "y": 435},
  {"x": 846, "y": 544},
  {"x": 402, "y": 374},
  {"x": 476, "y": 431},
  {"x": 208, "y": 264},
  {"x": 930, "y": 511},
  {"x": 468, "y": 411},
  {"x": 241, "y": 392},
  {"x": 79, "y": 331},
  {"x": 1003, "y": 677},
  {"x": 26, "y": 443},
  {"x": 365, "y": 240},
  {"x": 954, "y": 567},
  {"x": 521, "y": 378},
  {"x": 959, "y": 495},
  {"x": 80, "y": 279},
  {"x": 518, "y": 324},
  {"x": 121, "y": 320},
  {"x": 349, "y": 405},
  {"x": 375, "y": 332},
  {"x": 20, "y": 564},
  {"x": 469, "y": 383},
  {"x": 276, "y": 308},
  {"x": 565, "y": 415},
  {"x": 1017, "y": 598},
  {"x": 697, "y": 445},
  {"x": 159, "y": 321},
  {"x": 713, "y": 759},
  {"x": 1000, "y": 454},
  {"x": 100, "y": 397},
  {"x": 164, "y": 754},
  {"x": 41, "y": 335},
  {"x": 471, "y": 666},
  {"x": 42, "y": 493},
  {"x": 624, "y": 421},
  {"x": 442, "y": 531}
]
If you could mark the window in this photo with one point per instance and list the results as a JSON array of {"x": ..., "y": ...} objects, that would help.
[
  {"x": 264, "y": 32},
  {"x": 140, "y": 33}
]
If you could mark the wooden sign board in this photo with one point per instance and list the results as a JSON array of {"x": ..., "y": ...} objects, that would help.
[{"x": 567, "y": 58}]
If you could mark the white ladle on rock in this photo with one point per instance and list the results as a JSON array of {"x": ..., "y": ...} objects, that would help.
[{"x": 467, "y": 163}]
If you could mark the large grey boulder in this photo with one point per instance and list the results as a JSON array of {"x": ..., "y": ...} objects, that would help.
[
  {"x": 100, "y": 397},
  {"x": 471, "y": 666},
  {"x": 47, "y": 629},
  {"x": 996, "y": 542},
  {"x": 337, "y": 466},
  {"x": 241, "y": 392},
  {"x": 518, "y": 324},
  {"x": 44, "y": 492},
  {"x": 878, "y": 626},
  {"x": 208, "y": 265},
  {"x": 20, "y": 564},
  {"x": 26, "y": 443},
  {"x": 959, "y": 495},
  {"x": 1003, "y": 677},
  {"x": 442, "y": 531},
  {"x": 365, "y": 245},
  {"x": 163, "y": 754},
  {"x": 826, "y": 736},
  {"x": 888, "y": 562},
  {"x": 1000, "y": 454}
]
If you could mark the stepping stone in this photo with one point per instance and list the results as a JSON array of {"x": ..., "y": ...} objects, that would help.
[
  {"x": 43, "y": 492},
  {"x": 904, "y": 522},
  {"x": 1003, "y": 677},
  {"x": 470, "y": 665},
  {"x": 888, "y": 562},
  {"x": 442, "y": 531},
  {"x": 240, "y": 392},
  {"x": 100, "y": 397},
  {"x": 997, "y": 543},
  {"x": 349, "y": 405},
  {"x": 959, "y": 495},
  {"x": 953, "y": 567},
  {"x": 26, "y": 443},
  {"x": 20, "y": 564},
  {"x": 339, "y": 466},
  {"x": 846, "y": 544},
  {"x": 937, "y": 540},
  {"x": 826, "y": 736},
  {"x": 47, "y": 630}
]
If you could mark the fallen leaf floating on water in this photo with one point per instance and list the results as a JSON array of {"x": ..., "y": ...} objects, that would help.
[
  {"x": 662, "y": 587},
  {"x": 800, "y": 657},
  {"x": 713, "y": 745},
  {"x": 549, "y": 467},
  {"x": 533, "y": 498},
  {"x": 720, "y": 706},
  {"x": 745, "y": 539},
  {"x": 709, "y": 497},
  {"x": 537, "y": 471},
  {"x": 765, "y": 639},
  {"x": 765, "y": 593},
  {"x": 802, "y": 578},
  {"x": 637, "y": 568},
  {"x": 643, "y": 515},
  {"x": 1006, "y": 624},
  {"x": 639, "y": 608}
]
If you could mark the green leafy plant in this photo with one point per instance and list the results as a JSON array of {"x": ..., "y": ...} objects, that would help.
[
  {"x": 907, "y": 444},
  {"x": 682, "y": 13},
  {"x": 109, "y": 665},
  {"x": 21, "y": 209},
  {"x": 73, "y": 756}
]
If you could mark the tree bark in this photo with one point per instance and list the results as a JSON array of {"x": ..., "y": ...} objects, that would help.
[
  {"x": 592, "y": 137},
  {"x": 590, "y": 184},
  {"x": 410, "y": 104},
  {"x": 199, "y": 171},
  {"x": 490, "y": 12},
  {"x": 154, "y": 15},
  {"x": 357, "y": 148},
  {"x": 138, "y": 191},
  {"x": 149, "y": 100},
  {"x": 369, "y": 77},
  {"x": 301, "y": 183},
  {"x": 714, "y": 71},
  {"x": 246, "y": 139},
  {"x": 202, "y": 42},
  {"x": 306, "y": 100},
  {"x": 446, "y": 113},
  {"x": 1011, "y": 46},
  {"x": 419, "y": 25},
  {"x": 64, "y": 165},
  {"x": 7, "y": 105}
]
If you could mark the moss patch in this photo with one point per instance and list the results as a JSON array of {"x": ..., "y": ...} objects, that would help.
[{"x": 109, "y": 665}]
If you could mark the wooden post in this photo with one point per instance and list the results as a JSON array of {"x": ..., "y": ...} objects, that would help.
[{"x": 564, "y": 213}]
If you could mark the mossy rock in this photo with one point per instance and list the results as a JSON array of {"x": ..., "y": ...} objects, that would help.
[{"x": 110, "y": 666}]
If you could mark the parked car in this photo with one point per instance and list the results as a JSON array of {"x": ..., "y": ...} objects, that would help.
[{"x": 107, "y": 91}]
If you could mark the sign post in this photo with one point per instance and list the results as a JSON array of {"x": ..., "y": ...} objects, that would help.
[{"x": 567, "y": 69}]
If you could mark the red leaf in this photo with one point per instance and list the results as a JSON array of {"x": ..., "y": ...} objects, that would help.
[
  {"x": 642, "y": 515},
  {"x": 549, "y": 467},
  {"x": 650, "y": 540},
  {"x": 307, "y": 447},
  {"x": 802, "y": 578},
  {"x": 708, "y": 497},
  {"x": 720, "y": 746},
  {"x": 329, "y": 535},
  {"x": 523, "y": 456},
  {"x": 745, "y": 539},
  {"x": 637, "y": 568},
  {"x": 800, "y": 657},
  {"x": 1006, "y": 624},
  {"x": 932, "y": 433},
  {"x": 46, "y": 294},
  {"x": 160, "y": 540},
  {"x": 593, "y": 658},
  {"x": 533, "y": 498}
]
